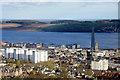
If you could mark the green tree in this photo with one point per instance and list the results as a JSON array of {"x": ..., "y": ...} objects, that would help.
[
  {"x": 17, "y": 64},
  {"x": 81, "y": 66},
  {"x": 64, "y": 73},
  {"x": 31, "y": 73},
  {"x": 9, "y": 60},
  {"x": 42, "y": 75},
  {"x": 48, "y": 64}
]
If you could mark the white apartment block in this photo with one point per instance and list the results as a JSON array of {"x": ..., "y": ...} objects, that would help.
[
  {"x": 100, "y": 65},
  {"x": 32, "y": 54}
]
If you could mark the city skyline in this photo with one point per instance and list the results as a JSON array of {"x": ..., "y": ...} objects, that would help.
[{"x": 75, "y": 39}]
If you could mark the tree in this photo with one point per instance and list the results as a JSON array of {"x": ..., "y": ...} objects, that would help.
[
  {"x": 48, "y": 64},
  {"x": 81, "y": 66},
  {"x": 17, "y": 64},
  {"x": 25, "y": 61},
  {"x": 9, "y": 60},
  {"x": 42, "y": 75},
  {"x": 88, "y": 72},
  {"x": 64, "y": 73},
  {"x": 31, "y": 73}
]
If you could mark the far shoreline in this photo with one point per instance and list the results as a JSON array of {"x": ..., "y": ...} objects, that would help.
[{"x": 55, "y": 32}]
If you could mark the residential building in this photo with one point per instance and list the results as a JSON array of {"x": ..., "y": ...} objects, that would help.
[
  {"x": 99, "y": 65},
  {"x": 99, "y": 54},
  {"x": 32, "y": 54}
]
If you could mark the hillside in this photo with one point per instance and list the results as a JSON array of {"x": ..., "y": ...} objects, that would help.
[{"x": 61, "y": 25}]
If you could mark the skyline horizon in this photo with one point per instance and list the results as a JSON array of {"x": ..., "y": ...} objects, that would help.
[{"x": 60, "y": 19}]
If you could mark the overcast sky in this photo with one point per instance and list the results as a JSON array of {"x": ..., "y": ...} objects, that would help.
[{"x": 60, "y": 10}]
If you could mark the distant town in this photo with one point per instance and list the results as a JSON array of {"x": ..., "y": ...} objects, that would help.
[{"x": 69, "y": 61}]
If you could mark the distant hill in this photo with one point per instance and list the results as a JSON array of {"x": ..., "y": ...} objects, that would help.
[{"x": 61, "y": 25}]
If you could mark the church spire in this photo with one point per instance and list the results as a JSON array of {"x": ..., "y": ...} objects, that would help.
[{"x": 96, "y": 47}]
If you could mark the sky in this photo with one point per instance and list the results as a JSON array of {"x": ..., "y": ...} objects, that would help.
[{"x": 59, "y": 10}]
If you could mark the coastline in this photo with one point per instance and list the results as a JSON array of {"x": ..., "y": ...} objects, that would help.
[{"x": 54, "y": 31}]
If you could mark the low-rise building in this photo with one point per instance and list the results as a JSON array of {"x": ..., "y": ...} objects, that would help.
[{"x": 100, "y": 54}]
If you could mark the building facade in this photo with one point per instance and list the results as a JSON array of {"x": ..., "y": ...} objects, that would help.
[
  {"x": 32, "y": 54},
  {"x": 99, "y": 65},
  {"x": 102, "y": 53}
]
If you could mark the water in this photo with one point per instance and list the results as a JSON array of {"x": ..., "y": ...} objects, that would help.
[{"x": 105, "y": 40}]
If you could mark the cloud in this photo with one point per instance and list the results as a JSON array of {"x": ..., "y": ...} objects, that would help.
[
  {"x": 13, "y": 4},
  {"x": 59, "y": 0},
  {"x": 33, "y": 4},
  {"x": 24, "y": 4},
  {"x": 59, "y": 10}
]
